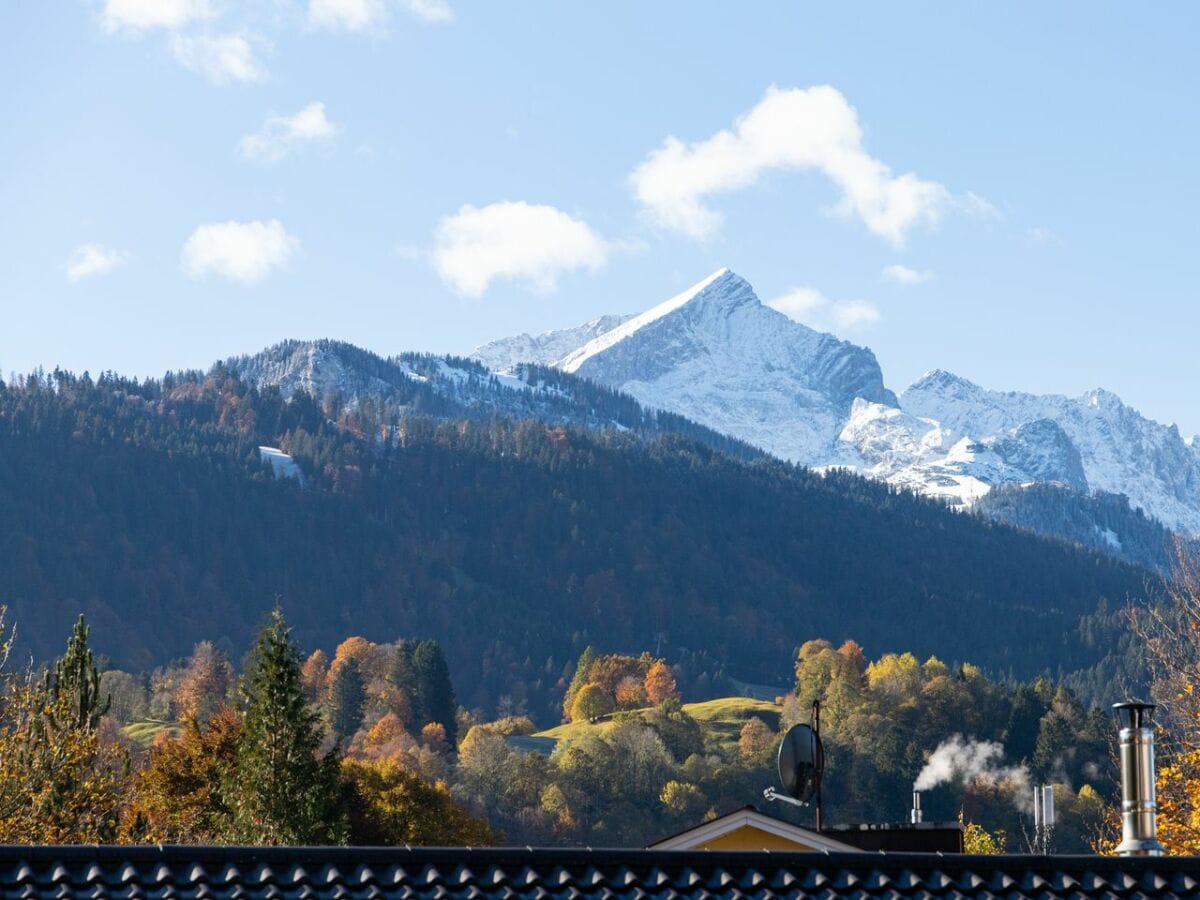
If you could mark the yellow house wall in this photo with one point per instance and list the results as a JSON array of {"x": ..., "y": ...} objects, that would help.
[{"x": 747, "y": 837}]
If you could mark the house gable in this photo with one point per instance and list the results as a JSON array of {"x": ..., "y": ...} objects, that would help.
[{"x": 748, "y": 829}]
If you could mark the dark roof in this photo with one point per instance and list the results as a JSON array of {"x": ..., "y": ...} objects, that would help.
[{"x": 248, "y": 873}]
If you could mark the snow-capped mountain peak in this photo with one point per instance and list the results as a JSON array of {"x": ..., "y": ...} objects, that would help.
[
  {"x": 722, "y": 286},
  {"x": 716, "y": 354}
]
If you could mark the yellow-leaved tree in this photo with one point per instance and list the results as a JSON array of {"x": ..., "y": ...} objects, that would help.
[
  {"x": 392, "y": 807},
  {"x": 1171, "y": 635},
  {"x": 59, "y": 782}
]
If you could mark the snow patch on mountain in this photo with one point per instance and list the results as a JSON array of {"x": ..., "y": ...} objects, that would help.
[{"x": 282, "y": 464}]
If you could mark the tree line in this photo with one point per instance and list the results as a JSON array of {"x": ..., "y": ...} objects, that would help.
[{"x": 370, "y": 745}]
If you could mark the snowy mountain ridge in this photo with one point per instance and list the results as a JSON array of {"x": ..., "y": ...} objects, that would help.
[
  {"x": 718, "y": 356},
  {"x": 544, "y": 349},
  {"x": 715, "y": 354}
]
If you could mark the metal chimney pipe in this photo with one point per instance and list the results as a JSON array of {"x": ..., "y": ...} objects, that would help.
[
  {"x": 916, "y": 808},
  {"x": 1139, "y": 807}
]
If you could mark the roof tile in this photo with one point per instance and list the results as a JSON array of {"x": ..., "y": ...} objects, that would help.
[{"x": 259, "y": 873}]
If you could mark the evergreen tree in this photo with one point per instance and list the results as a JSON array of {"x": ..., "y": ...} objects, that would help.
[
  {"x": 347, "y": 695},
  {"x": 434, "y": 690},
  {"x": 582, "y": 669},
  {"x": 404, "y": 677},
  {"x": 284, "y": 792},
  {"x": 75, "y": 682},
  {"x": 1024, "y": 723}
]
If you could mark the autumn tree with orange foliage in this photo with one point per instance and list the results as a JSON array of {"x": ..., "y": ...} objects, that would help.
[
  {"x": 181, "y": 795},
  {"x": 314, "y": 676},
  {"x": 631, "y": 693},
  {"x": 660, "y": 683},
  {"x": 205, "y": 683}
]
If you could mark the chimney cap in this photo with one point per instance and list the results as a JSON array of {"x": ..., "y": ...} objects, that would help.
[{"x": 1140, "y": 711}]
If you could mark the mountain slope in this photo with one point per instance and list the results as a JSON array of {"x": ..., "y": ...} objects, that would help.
[
  {"x": 146, "y": 505},
  {"x": 351, "y": 381},
  {"x": 716, "y": 355},
  {"x": 545, "y": 349},
  {"x": 1120, "y": 451}
]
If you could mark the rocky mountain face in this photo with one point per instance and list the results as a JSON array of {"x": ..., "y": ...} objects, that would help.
[
  {"x": 1120, "y": 451},
  {"x": 345, "y": 378},
  {"x": 718, "y": 356},
  {"x": 718, "y": 366},
  {"x": 544, "y": 349}
]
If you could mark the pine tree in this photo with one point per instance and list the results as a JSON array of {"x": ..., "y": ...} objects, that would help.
[
  {"x": 284, "y": 792},
  {"x": 404, "y": 677},
  {"x": 75, "y": 682},
  {"x": 347, "y": 695},
  {"x": 583, "y": 668},
  {"x": 434, "y": 689}
]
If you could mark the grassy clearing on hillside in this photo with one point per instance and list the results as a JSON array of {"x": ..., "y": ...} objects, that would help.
[
  {"x": 145, "y": 731},
  {"x": 721, "y": 719}
]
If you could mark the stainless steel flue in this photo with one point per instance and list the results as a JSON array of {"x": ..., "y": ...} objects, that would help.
[
  {"x": 1139, "y": 807},
  {"x": 915, "y": 815}
]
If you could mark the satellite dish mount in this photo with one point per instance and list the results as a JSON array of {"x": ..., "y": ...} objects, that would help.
[{"x": 801, "y": 765}]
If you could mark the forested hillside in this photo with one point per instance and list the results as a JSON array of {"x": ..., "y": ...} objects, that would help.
[
  {"x": 1104, "y": 522},
  {"x": 146, "y": 506}
]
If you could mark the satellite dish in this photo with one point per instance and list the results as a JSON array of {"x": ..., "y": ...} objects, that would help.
[{"x": 801, "y": 762}]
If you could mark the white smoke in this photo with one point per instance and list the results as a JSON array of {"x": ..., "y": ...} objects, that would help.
[{"x": 969, "y": 761}]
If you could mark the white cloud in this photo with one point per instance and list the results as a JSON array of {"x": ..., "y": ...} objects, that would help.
[
  {"x": 240, "y": 251},
  {"x": 220, "y": 58},
  {"x": 279, "y": 135},
  {"x": 93, "y": 259},
  {"x": 789, "y": 129},
  {"x": 366, "y": 15},
  {"x": 516, "y": 240},
  {"x": 348, "y": 15},
  {"x": 430, "y": 10},
  {"x": 812, "y": 308},
  {"x": 898, "y": 274},
  {"x": 142, "y": 15}
]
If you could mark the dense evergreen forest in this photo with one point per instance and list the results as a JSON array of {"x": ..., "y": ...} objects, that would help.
[{"x": 146, "y": 506}]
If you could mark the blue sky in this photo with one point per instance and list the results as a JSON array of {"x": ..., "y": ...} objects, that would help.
[{"x": 183, "y": 180}]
